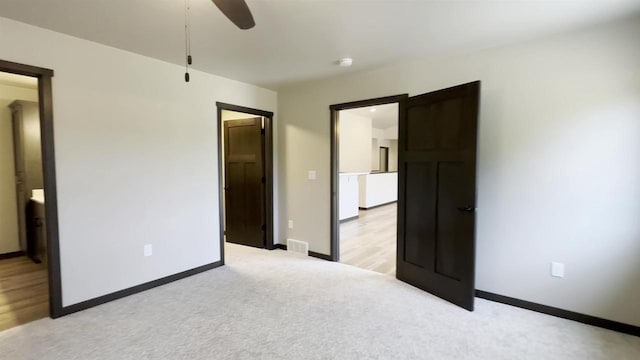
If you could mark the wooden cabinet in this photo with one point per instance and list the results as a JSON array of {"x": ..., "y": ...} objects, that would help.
[{"x": 28, "y": 162}]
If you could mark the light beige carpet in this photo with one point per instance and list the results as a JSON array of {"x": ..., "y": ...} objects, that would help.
[{"x": 274, "y": 305}]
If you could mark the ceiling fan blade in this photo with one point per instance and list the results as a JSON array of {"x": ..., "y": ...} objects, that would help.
[{"x": 237, "y": 11}]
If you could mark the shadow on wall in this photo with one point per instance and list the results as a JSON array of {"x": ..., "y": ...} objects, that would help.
[
  {"x": 625, "y": 285},
  {"x": 583, "y": 157}
]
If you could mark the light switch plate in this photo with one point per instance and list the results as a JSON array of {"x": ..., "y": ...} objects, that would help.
[
  {"x": 290, "y": 224},
  {"x": 557, "y": 269},
  {"x": 312, "y": 174},
  {"x": 148, "y": 250}
]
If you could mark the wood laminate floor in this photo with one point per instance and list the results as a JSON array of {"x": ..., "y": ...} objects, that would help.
[
  {"x": 369, "y": 242},
  {"x": 24, "y": 292}
]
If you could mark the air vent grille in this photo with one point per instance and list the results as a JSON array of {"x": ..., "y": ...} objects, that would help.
[{"x": 298, "y": 247}]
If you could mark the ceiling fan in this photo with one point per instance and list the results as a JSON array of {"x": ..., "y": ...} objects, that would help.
[{"x": 235, "y": 10}]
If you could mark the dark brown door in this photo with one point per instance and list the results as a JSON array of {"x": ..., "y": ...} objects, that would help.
[
  {"x": 244, "y": 182},
  {"x": 437, "y": 192}
]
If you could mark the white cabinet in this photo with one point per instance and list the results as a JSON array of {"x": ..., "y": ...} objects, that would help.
[
  {"x": 378, "y": 189},
  {"x": 348, "y": 195},
  {"x": 362, "y": 191}
]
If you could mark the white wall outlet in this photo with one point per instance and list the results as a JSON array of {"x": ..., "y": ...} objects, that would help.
[
  {"x": 312, "y": 175},
  {"x": 557, "y": 269},
  {"x": 290, "y": 224},
  {"x": 148, "y": 250}
]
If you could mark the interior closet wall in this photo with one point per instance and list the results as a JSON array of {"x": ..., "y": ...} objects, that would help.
[{"x": 9, "y": 232}]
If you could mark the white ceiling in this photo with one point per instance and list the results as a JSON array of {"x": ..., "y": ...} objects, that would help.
[
  {"x": 384, "y": 117},
  {"x": 27, "y": 82},
  {"x": 301, "y": 40}
]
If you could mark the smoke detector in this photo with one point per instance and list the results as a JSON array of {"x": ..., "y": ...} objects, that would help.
[{"x": 345, "y": 62}]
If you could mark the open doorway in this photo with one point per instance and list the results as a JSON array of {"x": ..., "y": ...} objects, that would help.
[
  {"x": 29, "y": 261},
  {"x": 436, "y": 189},
  {"x": 367, "y": 179},
  {"x": 246, "y": 175}
]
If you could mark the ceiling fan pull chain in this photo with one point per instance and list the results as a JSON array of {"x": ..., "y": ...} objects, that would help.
[{"x": 187, "y": 39}]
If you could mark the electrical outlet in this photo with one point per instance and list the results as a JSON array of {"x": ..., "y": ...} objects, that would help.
[
  {"x": 148, "y": 250},
  {"x": 312, "y": 175},
  {"x": 557, "y": 269},
  {"x": 290, "y": 224}
]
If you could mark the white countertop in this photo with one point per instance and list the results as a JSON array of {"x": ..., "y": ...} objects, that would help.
[{"x": 352, "y": 173}]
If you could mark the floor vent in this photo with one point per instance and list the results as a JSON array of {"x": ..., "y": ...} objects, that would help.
[{"x": 297, "y": 246}]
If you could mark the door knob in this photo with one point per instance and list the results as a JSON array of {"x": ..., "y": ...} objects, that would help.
[{"x": 467, "y": 208}]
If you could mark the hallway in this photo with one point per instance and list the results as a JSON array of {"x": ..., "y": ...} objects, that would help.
[
  {"x": 369, "y": 242},
  {"x": 24, "y": 294}
]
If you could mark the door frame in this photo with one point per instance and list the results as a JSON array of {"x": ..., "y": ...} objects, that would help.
[
  {"x": 45, "y": 105},
  {"x": 335, "y": 166},
  {"x": 268, "y": 169},
  {"x": 386, "y": 148}
]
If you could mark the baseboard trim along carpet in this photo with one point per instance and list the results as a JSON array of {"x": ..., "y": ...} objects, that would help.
[
  {"x": 549, "y": 310},
  {"x": 136, "y": 289},
  {"x": 311, "y": 253},
  {"x": 565, "y": 314},
  {"x": 11, "y": 255}
]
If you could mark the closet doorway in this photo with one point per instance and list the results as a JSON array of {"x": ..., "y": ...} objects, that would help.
[
  {"x": 29, "y": 254},
  {"x": 246, "y": 175}
]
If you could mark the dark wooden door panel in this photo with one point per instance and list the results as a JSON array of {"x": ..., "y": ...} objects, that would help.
[
  {"x": 436, "y": 197},
  {"x": 419, "y": 233},
  {"x": 450, "y": 234},
  {"x": 244, "y": 187}
]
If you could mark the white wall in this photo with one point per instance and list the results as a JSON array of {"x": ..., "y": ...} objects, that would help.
[
  {"x": 558, "y": 163},
  {"x": 355, "y": 142},
  {"x": 234, "y": 115},
  {"x": 391, "y": 133},
  {"x": 380, "y": 139},
  {"x": 136, "y": 159},
  {"x": 9, "y": 233},
  {"x": 375, "y": 160}
]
